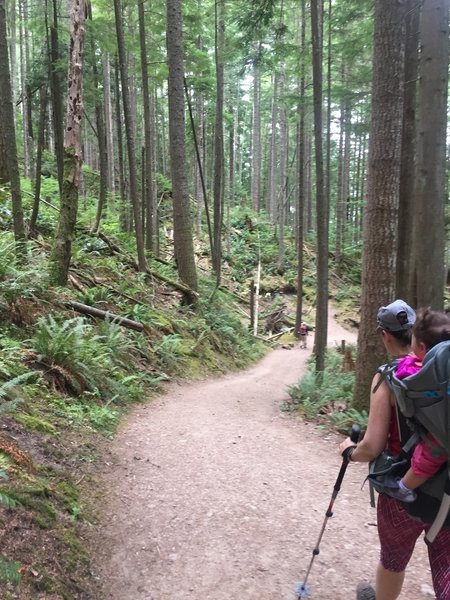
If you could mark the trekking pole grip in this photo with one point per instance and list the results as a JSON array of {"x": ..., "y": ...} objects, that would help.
[
  {"x": 354, "y": 436},
  {"x": 356, "y": 431}
]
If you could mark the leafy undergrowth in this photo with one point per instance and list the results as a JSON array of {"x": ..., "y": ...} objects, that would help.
[
  {"x": 67, "y": 378},
  {"x": 65, "y": 381},
  {"x": 325, "y": 398}
]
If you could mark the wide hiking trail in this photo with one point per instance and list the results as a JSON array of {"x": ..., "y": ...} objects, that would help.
[{"x": 212, "y": 492}]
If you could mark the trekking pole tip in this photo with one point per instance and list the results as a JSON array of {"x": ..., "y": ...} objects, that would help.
[{"x": 302, "y": 591}]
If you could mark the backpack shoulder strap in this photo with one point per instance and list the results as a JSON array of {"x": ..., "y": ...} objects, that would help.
[{"x": 385, "y": 372}]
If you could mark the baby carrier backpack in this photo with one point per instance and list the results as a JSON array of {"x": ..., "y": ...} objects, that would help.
[{"x": 423, "y": 403}]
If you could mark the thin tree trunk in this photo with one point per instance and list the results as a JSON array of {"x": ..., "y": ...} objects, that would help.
[
  {"x": 148, "y": 194},
  {"x": 101, "y": 135},
  {"x": 40, "y": 147},
  {"x": 282, "y": 182},
  {"x": 129, "y": 128},
  {"x": 273, "y": 156},
  {"x": 301, "y": 172},
  {"x": 109, "y": 122},
  {"x": 9, "y": 135},
  {"x": 124, "y": 213},
  {"x": 321, "y": 327},
  {"x": 56, "y": 94},
  {"x": 218, "y": 139},
  {"x": 256, "y": 133},
  {"x": 26, "y": 101}
]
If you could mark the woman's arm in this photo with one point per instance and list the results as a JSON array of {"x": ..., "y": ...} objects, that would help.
[{"x": 376, "y": 436}]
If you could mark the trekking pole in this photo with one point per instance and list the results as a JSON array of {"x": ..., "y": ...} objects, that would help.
[{"x": 302, "y": 590}]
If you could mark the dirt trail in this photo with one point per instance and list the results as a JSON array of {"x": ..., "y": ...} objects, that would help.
[{"x": 213, "y": 493}]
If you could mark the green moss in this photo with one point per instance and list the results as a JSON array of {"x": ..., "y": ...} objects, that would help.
[{"x": 35, "y": 424}]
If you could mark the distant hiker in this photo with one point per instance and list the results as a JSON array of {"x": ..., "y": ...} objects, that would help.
[
  {"x": 431, "y": 328},
  {"x": 398, "y": 530},
  {"x": 303, "y": 333}
]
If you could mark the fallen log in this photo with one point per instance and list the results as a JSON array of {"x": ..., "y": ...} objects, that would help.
[
  {"x": 104, "y": 314},
  {"x": 175, "y": 284}
]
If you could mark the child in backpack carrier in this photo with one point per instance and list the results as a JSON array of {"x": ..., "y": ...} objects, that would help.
[{"x": 431, "y": 328}]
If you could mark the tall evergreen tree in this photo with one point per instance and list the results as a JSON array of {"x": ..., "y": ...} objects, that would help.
[
  {"x": 130, "y": 135},
  {"x": 431, "y": 154},
  {"x": 321, "y": 201},
  {"x": 8, "y": 133},
  {"x": 184, "y": 247},
  {"x": 381, "y": 213}
]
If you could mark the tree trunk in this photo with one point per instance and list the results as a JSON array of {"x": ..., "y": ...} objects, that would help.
[
  {"x": 101, "y": 134},
  {"x": 321, "y": 326},
  {"x": 124, "y": 219},
  {"x": 12, "y": 47},
  {"x": 184, "y": 247},
  {"x": 147, "y": 196},
  {"x": 256, "y": 133},
  {"x": 273, "y": 155},
  {"x": 300, "y": 212},
  {"x": 381, "y": 213},
  {"x": 56, "y": 94},
  {"x": 407, "y": 209},
  {"x": 431, "y": 154},
  {"x": 129, "y": 128},
  {"x": 9, "y": 134},
  {"x": 26, "y": 101},
  {"x": 109, "y": 122},
  {"x": 218, "y": 139},
  {"x": 339, "y": 190},
  {"x": 62, "y": 248},
  {"x": 282, "y": 181},
  {"x": 40, "y": 147}
]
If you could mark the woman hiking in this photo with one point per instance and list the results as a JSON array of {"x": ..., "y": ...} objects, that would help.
[{"x": 397, "y": 529}]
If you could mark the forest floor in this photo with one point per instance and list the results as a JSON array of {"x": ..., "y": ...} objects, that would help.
[{"x": 212, "y": 492}]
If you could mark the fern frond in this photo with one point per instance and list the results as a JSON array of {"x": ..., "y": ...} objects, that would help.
[
  {"x": 19, "y": 456},
  {"x": 8, "y": 501},
  {"x": 7, "y": 387}
]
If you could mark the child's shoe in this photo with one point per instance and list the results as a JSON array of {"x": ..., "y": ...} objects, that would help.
[{"x": 393, "y": 486}]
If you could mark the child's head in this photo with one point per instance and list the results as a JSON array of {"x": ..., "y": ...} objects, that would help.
[{"x": 430, "y": 328}]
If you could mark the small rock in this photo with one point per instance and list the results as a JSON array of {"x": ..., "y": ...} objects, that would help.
[{"x": 427, "y": 590}]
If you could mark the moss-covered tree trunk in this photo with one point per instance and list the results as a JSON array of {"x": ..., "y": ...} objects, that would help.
[{"x": 62, "y": 247}]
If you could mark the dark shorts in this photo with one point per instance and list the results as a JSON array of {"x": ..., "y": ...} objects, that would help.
[{"x": 398, "y": 533}]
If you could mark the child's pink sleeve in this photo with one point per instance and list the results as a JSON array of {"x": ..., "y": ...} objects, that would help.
[
  {"x": 424, "y": 462},
  {"x": 408, "y": 366}
]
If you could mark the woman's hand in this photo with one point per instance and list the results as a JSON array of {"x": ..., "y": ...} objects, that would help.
[{"x": 344, "y": 445}]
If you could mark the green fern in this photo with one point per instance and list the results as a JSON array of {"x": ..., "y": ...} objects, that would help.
[
  {"x": 7, "y": 256},
  {"x": 7, "y": 501},
  {"x": 9, "y": 571},
  {"x": 59, "y": 344}
]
